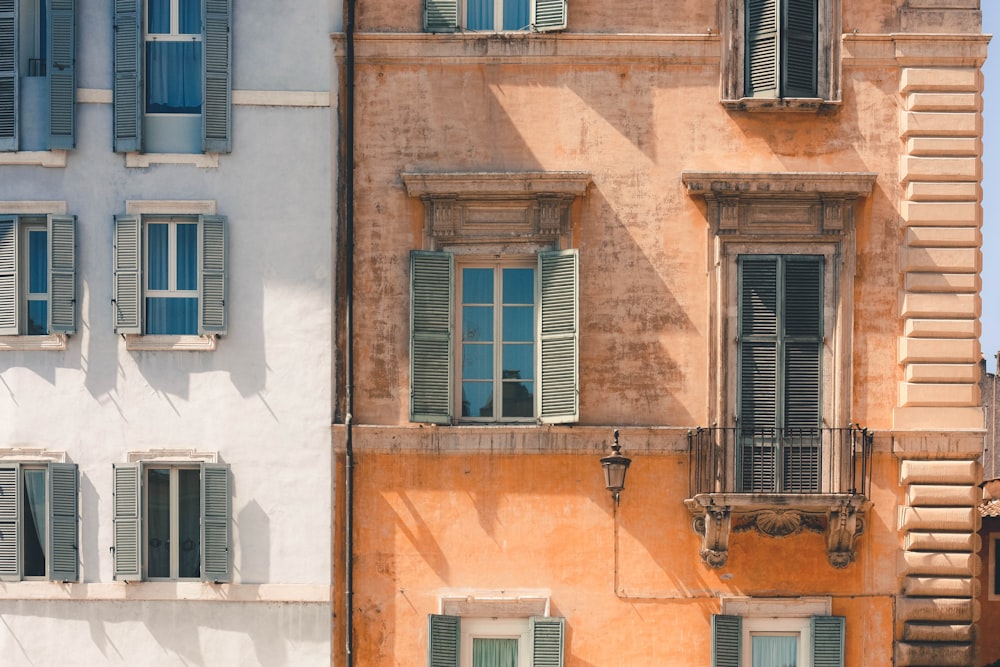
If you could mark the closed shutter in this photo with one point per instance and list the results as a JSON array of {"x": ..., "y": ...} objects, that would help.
[
  {"x": 440, "y": 15},
  {"x": 558, "y": 338},
  {"x": 63, "y": 522},
  {"x": 548, "y": 635},
  {"x": 8, "y": 276},
  {"x": 62, "y": 74},
  {"x": 127, "y": 275},
  {"x": 442, "y": 640},
  {"x": 798, "y": 49},
  {"x": 128, "y": 77},
  {"x": 827, "y": 641},
  {"x": 549, "y": 15},
  {"x": 8, "y": 75},
  {"x": 216, "y": 510},
  {"x": 761, "y": 69},
  {"x": 62, "y": 274},
  {"x": 10, "y": 528},
  {"x": 212, "y": 275},
  {"x": 127, "y": 522},
  {"x": 727, "y": 636},
  {"x": 217, "y": 108},
  {"x": 431, "y": 317}
]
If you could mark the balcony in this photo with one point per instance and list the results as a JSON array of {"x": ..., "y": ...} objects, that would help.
[{"x": 779, "y": 482}]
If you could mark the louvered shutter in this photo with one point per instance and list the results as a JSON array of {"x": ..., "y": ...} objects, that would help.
[
  {"x": 212, "y": 275},
  {"x": 761, "y": 69},
  {"x": 727, "y": 638},
  {"x": 62, "y": 74},
  {"x": 62, "y": 274},
  {"x": 63, "y": 521},
  {"x": 549, "y": 15},
  {"x": 216, "y": 511},
  {"x": 442, "y": 640},
  {"x": 217, "y": 104},
  {"x": 827, "y": 641},
  {"x": 128, "y": 274},
  {"x": 548, "y": 635},
  {"x": 798, "y": 49},
  {"x": 558, "y": 337},
  {"x": 431, "y": 318},
  {"x": 9, "y": 94},
  {"x": 10, "y": 522},
  {"x": 127, "y": 522},
  {"x": 440, "y": 15},
  {"x": 8, "y": 276},
  {"x": 128, "y": 76}
]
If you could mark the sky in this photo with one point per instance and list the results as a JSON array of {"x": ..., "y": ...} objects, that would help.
[{"x": 990, "y": 338}]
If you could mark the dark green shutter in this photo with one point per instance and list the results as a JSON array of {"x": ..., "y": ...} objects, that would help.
[
  {"x": 217, "y": 105},
  {"x": 558, "y": 340},
  {"x": 63, "y": 532},
  {"x": 128, "y": 76},
  {"x": 8, "y": 276},
  {"x": 62, "y": 73},
  {"x": 798, "y": 49},
  {"x": 10, "y": 516},
  {"x": 827, "y": 641},
  {"x": 442, "y": 640},
  {"x": 212, "y": 275},
  {"x": 431, "y": 323},
  {"x": 8, "y": 75},
  {"x": 62, "y": 273},
  {"x": 549, "y": 15},
  {"x": 216, "y": 511},
  {"x": 548, "y": 636},
  {"x": 127, "y": 275},
  {"x": 727, "y": 638},
  {"x": 761, "y": 69},
  {"x": 127, "y": 522},
  {"x": 440, "y": 15}
]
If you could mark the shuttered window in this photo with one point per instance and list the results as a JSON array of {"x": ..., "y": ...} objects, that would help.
[
  {"x": 731, "y": 639},
  {"x": 494, "y": 15},
  {"x": 781, "y": 48},
  {"x": 541, "y": 645}
]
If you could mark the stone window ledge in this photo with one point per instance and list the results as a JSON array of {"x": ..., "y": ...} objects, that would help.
[
  {"x": 787, "y": 104},
  {"x": 146, "y": 343},
  {"x": 46, "y": 343}
]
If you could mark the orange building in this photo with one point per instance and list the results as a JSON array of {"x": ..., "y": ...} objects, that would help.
[{"x": 745, "y": 234}]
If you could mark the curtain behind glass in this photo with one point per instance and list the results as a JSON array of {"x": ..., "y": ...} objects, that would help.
[
  {"x": 775, "y": 651},
  {"x": 479, "y": 15},
  {"x": 38, "y": 282},
  {"x": 35, "y": 524},
  {"x": 173, "y": 77},
  {"x": 488, "y": 652},
  {"x": 516, "y": 14}
]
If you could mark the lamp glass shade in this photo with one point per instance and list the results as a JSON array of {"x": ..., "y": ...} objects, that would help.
[{"x": 615, "y": 467}]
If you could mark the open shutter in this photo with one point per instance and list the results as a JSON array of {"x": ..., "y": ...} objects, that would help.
[
  {"x": 558, "y": 337},
  {"x": 217, "y": 105},
  {"x": 63, "y": 531},
  {"x": 8, "y": 75},
  {"x": 727, "y": 637},
  {"x": 440, "y": 15},
  {"x": 62, "y": 274},
  {"x": 549, "y": 15},
  {"x": 62, "y": 74},
  {"x": 128, "y": 522},
  {"x": 128, "y": 274},
  {"x": 216, "y": 510},
  {"x": 212, "y": 275},
  {"x": 761, "y": 69},
  {"x": 442, "y": 640},
  {"x": 10, "y": 518},
  {"x": 8, "y": 276},
  {"x": 798, "y": 49},
  {"x": 827, "y": 641},
  {"x": 431, "y": 318},
  {"x": 128, "y": 77},
  {"x": 548, "y": 635}
]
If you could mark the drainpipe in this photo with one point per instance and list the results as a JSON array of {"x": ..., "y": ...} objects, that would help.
[{"x": 348, "y": 156}]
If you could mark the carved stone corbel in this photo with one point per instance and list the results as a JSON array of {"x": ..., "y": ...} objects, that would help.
[
  {"x": 843, "y": 528},
  {"x": 552, "y": 213},
  {"x": 714, "y": 527},
  {"x": 442, "y": 213}
]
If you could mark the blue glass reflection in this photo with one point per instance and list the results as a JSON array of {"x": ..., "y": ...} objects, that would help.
[
  {"x": 187, "y": 256},
  {"x": 38, "y": 318},
  {"x": 158, "y": 16},
  {"x": 171, "y": 316},
  {"x": 518, "y": 323},
  {"x": 519, "y": 361},
  {"x": 516, "y": 14},
  {"x": 477, "y": 323},
  {"x": 477, "y": 362},
  {"x": 38, "y": 262},
  {"x": 157, "y": 256},
  {"x": 173, "y": 77},
  {"x": 518, "y": 399},
  {"x": 477, "y": 285},
  {"x": 477, "y": 399},
  {"x": 479, "y": 15},
  {"x": 519, "y": 286},
  {"x": 190, "y": 17},
  {"x": 189, "y": 523}
]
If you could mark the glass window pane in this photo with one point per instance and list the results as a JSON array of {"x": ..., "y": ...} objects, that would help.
[
  {"x": 477, "y": 362},
  {"x": 479, "y": 15},
  {"x": 38, "y": 261},
  {"x": 518, "y": 323},
  {"x": 775, "y": 650},
  {"x": 518, "y": 399},
  {"x": 189, "y": 523},
  {"x": 190, "y": 17},
  {"x": 171, "y": 316},
  {"x": 158, "y": 522},
  {"x": 519, "y": 286},
  {"x": 38, "y": 314},
  {"x": 187, "y": 256},
  {"x": 477, "y": 286},
  {"x": 35, "y": 528},
  {"x": 518, "y": 362},
  {"x": 494, "y": 652},
  {"x": 157, "y": 256},
  {"x": 477, "y": 323},
  {"x": 173, "y": 77},
  {"x": 516, "y": 15},
  {"x": 477, "y": 399},
  {"x": 158, "y": 16}
]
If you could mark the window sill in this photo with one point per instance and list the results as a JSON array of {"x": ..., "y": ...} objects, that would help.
[
  {"x": 47, "y": 343},
  {"x": 200, "y": 160},
  {"x": 787, "y": 104},
  {"x": 141, "y": 343},
  {"x": 52, "y": 158}
]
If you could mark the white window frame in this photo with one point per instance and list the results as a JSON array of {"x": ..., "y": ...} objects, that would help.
[
  {"x": 777, "y": 616},
  {"x": 174, "y": 510},
  {"x": 496, "y": 628},
  {"x": 498, "y": 6}
]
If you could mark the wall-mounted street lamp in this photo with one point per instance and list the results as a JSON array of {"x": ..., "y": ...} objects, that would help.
[{"x": 615, "y": 467}]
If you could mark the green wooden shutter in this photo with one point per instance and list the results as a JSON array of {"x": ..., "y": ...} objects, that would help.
[
  {"x": 128, "y": 76},
  {"x": 548, "y": 634},
  {"x": 431, "y": 323},
  {"x": 558, "y": 336},
  {"x": 8, "y": 277},
  {"x": 128, "y": 274},
  {"x": 827, "y": 641},
  {"x": 549, "y": 15},
  {"x": 440, "y": 15},
  {"x": 212, "y": 275},
  {"x": 62, "y": 273},
  {"x": 9, "y": 95},
  {"x": 727, "y": 639},
  {"x": 761, "y": 69},
  {"x": 217, "y": 105},
  {"x": 127, "y": 522},
  {"x": 798, "y": 49},
  {"x": 63, "y": 525},
  {"x": 442, "y": 640},
  {"x": 216, "y": 511},
  {"x": 62, "y": 73},
  {"x": 10, "y": 522}
]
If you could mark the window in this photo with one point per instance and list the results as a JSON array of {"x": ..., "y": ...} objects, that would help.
[
  {"x": 38, "y": 521},
  {"x": 37, "y": 275},
  {"x": 37, "y": 74},
  {"x": 170, "y": 275},
  {"x": 517, "y": 346},
  {"x": 494, "y": 15},
  {"x": 994, "y": 567},
  {"x": 172, "y": 76},
  {"x": 777, "y": 633},
  {"x": 455, "y": 641},
  {"x": 172, "y": 521}
]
